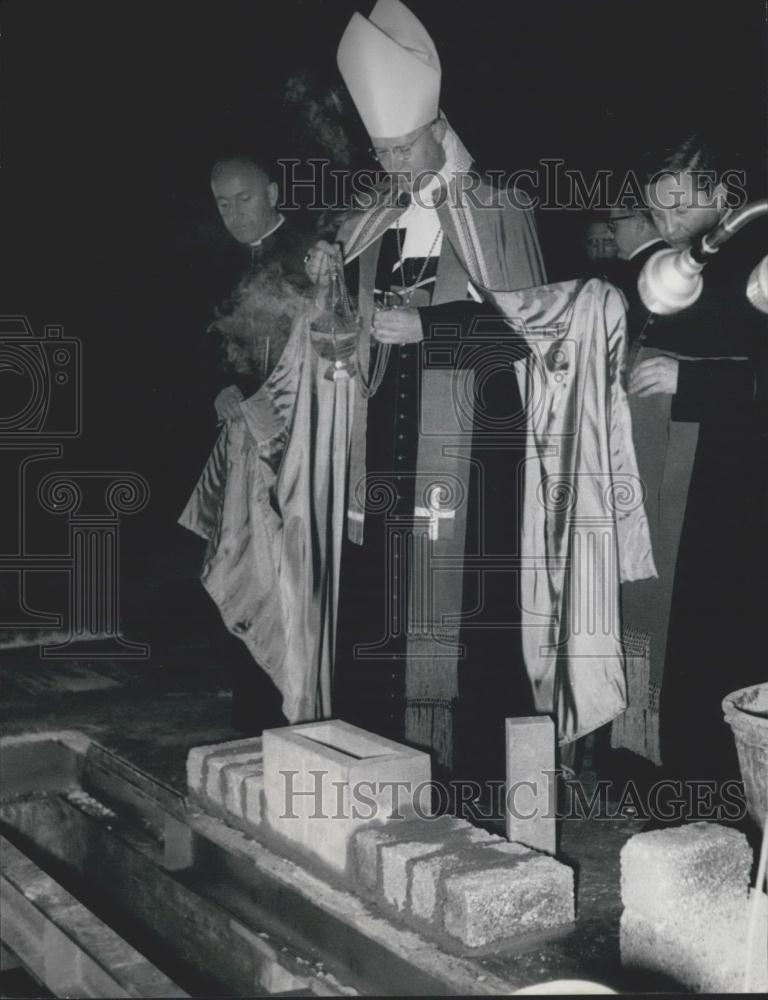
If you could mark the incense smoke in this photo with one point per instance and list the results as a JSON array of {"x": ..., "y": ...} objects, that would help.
[{"x": 255, "y": 324}]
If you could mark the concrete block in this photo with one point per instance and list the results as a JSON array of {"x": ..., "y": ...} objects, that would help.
[
  {"x": 218, "y": 765},
  {"x": 395, "y": 865},
  {"x": 707, "y": 953},
  {"x": 235, "y": 776},
  {"x": 529, "y": 894},
  {"x": 396, "y": 858},
  {"x": 323, "y": 781},
  {"x": 253, "y": 798},
  {"x": 428, "y": 875},
  {"x": 668, "y": 874},
  {"x": 366, "y": 851},
  {"x": 383, "y": 854},
  {"x": 531, "y": 803},
  {"x": 199, "y": 758}
]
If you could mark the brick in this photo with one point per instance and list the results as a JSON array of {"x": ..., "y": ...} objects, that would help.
[
  {"x": 324, "y": 781},
  {"x": 383, "y": 854},
  {"x": 235, "y": 777},
  {"x": 395, "y": 859},
  {"x": 428, "y": 875},
  {"x": 531, "y": 894},
  {"x": 217, "y": 766},
  {"x": 425, "y": 884},
  {"x": 531, "y": 802},
  {"x": 667, "y": 874},
  {"x": 253, "y": 798},
  {"x": 198, "y": 757},
  {"x": 432, "y": 837},
  {"x": 366, "y": 850},
  {"x": 707, "y": 953}
]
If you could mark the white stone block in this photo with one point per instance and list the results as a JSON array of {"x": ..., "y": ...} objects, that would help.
[
  {"x": 428, "y": 875},
  {"x": 218, "y": 767},
  {"x": 384, "y": 854},
  {"x": 253, "y": 798},
  {"x": 531, "y": 894},
  {"x": 531, "y": 793},
  {"x": 235, "y": 777},
  {"x": 198, "y": 756},
  {"x": 367, "y": 844},
  {"x": 668, "y": 874},
  {"x": 707, "y": 953},
  {"x": 325, "y": 780}
]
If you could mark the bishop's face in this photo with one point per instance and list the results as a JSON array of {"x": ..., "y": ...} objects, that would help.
[
  {"x": 412, "y": 158},
  {"x": 246, "y": 199},
  {"x": 681, "y": 210}
]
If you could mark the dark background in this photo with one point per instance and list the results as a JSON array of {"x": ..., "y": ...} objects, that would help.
[{"x": 113, "y": 112}]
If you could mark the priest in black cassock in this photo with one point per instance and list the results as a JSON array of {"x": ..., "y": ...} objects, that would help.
[
  {"x": 245, "y": 288},
  {"x": 246, "y": 197},
  {"x": 427, "y": 640},
  {"x": 694, "y": 386}
]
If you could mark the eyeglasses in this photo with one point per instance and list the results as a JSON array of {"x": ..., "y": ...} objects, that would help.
[
  {"x": 400, "y": 152},
  {"x": 611, "y": 223}
]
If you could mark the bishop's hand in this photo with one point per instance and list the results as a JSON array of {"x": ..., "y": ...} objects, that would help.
[
  {"x": 397, "y": 326},
  {"x": 655, "y": 376},
  {"x": 318, "y": 261},
  {"x": 227, "y": 403}
]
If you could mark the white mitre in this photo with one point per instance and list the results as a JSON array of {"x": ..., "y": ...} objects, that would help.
[{"x": 391, "y": 69}]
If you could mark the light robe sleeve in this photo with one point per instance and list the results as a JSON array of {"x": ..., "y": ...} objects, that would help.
[
  {"x": 584, "y": 525},
  {"x": 268, "y": 502}
]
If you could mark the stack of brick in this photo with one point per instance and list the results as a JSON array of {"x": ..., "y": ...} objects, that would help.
[
  {"x": 686, "y": 896},
  {"x": 448, "y": 878},
  {"x": 442, "y": 876},
  {"x": 323, "y": 781},
  {"x": 227, "y": 781}
]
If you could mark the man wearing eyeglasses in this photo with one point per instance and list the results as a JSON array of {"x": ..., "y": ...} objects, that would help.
[
  {"x": 637, "y": 239},
  {"x": 635, "y": 235},
  {"x": 426, "y": 255},
  {"x": 693, "y": 396}
]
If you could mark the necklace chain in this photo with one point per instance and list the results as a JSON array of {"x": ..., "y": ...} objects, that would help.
[
  {"x": 383, "y": 350},
  {"x": 408, "y": 292}
]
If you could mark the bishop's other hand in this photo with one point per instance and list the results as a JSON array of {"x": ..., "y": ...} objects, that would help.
[
  {"x": 318, "y": 261},
  {"x": 397, "y": 326},
  {"x": 227, "y": 404},
  {"x": 655, "y": 376}
]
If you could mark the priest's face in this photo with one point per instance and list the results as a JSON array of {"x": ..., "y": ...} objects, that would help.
[
  {"x": 245, "y": 198},
  {"x": 412, "y": 158},
  {"x": 682, "y": 210}
]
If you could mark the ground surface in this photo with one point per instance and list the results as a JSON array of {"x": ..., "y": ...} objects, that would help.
[{"x": 152, "y": 711}]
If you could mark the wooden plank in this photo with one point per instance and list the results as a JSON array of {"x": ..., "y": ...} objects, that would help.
[
  {"x": 206, "y": 948},
  {"x": 63, "y": 944}
]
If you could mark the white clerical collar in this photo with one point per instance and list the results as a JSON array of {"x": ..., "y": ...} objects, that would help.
[
  {"x": 421, "y": 225},
  {"x": 644, "y": 246},
  {"x": 280, "y": 221}
]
